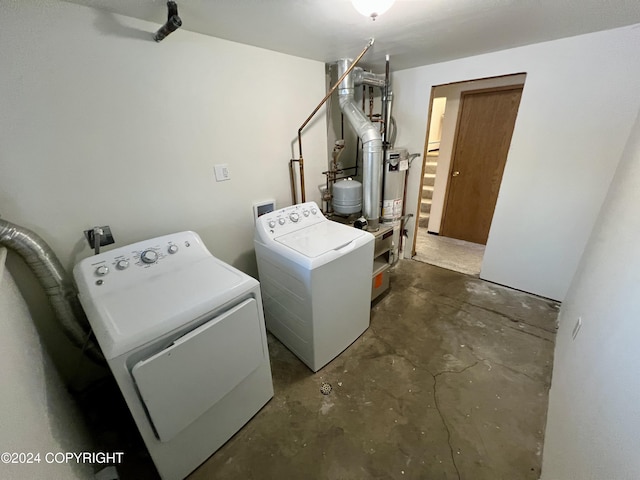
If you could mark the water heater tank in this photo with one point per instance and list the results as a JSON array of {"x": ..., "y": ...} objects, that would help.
[
  {"x": 347, "y": 196},
  {"x": 395, "y": 168}
]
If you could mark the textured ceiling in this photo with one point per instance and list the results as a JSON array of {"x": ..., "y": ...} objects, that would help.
[{"x": 412, "y": 32}]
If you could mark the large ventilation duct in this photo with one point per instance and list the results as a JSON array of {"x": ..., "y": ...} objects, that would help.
[
  {"x": 372, "y": 154},
  {"x": 50, "y": 273}
]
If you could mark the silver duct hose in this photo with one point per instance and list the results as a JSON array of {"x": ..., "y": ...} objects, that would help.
[
  {"x": 51, "y": 274},
  {"x": 371, "y": 147}
]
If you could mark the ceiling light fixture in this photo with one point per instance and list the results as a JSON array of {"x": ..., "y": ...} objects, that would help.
[{"x": 372, "y": 8}]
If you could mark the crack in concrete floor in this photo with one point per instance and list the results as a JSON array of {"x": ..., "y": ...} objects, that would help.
[
  {"x": 444, "y": 421},
  {"x": 435, "y": 394}
]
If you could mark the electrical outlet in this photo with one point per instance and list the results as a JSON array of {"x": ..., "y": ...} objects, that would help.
[
  {"x": 222, "y": 172},
  {"x": 576, "y": 328},
  {"x": 105, "y": 239}
]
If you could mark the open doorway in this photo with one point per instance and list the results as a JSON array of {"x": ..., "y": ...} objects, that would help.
[{"x": 468, "y": 137}]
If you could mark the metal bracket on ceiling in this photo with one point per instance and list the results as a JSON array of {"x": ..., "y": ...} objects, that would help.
[{"x": 173, "y": 22}]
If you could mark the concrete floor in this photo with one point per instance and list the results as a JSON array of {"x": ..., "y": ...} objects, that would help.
[
  {"x": 449, "y": 253},
  {"x": 449, "y": 382}
]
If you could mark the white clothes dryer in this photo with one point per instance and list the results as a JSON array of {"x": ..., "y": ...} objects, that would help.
[
  {"x": 184, "y": 336},
  {"x": 315, "y": 277}
]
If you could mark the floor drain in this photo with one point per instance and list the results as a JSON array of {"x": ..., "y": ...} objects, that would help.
[{"x": 325, "y": 389}]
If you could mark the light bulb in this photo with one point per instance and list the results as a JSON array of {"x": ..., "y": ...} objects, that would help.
[{"x": 372, "y": 8}]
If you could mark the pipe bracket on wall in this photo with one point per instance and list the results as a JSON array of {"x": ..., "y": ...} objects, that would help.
[{"x": 173, "y": 22}]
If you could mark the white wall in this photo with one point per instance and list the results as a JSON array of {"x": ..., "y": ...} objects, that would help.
[
  {"x": 453, "y": 93},
  {"x": 580, "y": 99},
  {"x": 36, "y": 413},
  {"x": 593, "y": 420},
  {"x": 100, "y": 125},
  {"x": 437, "y": 120}
]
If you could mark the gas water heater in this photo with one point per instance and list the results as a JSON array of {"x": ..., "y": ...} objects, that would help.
[{"x": 396, "y": 164}]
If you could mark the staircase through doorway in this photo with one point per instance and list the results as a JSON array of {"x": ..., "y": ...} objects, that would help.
[{"x": 427, "y": 189}]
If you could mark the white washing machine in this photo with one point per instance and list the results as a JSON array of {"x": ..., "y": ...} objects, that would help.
[
  {"x": 184, "y": 336},
  {"x": 315, "y": 276}
]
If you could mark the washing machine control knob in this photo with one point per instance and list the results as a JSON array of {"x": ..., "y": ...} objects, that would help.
[
  {"x": 281, "y": 221},
  {"x": 305, "y": 213},
  {"x": 294, "y": 217},
  {"x": 313, "y": 211},
  {"x": 172, "y": 249},
  {"x": 272, "y": 224},
  {"x": 102, "y": 270},
  {"x": 149, "y": 256},
  {"x": 122, "y": 264}
]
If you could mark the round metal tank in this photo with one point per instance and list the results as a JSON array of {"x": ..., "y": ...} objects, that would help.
[
  {"x": 347, "y": 196},
  {"x": 395, "y": 169}
]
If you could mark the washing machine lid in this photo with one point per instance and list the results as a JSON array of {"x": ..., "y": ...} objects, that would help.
[{"x": 320, "y": 238}]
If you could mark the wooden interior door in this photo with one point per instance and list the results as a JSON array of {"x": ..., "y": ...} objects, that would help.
[{"x": 485, "y": 126}]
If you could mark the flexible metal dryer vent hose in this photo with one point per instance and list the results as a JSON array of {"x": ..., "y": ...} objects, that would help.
[{"x": 51, "y": 274}]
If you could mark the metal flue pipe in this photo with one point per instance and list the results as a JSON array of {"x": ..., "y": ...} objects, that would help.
[
  {"x": 362, "y": 77},
  {"x": 372, "y": 154},
  {"x": 300, "y": 159}
]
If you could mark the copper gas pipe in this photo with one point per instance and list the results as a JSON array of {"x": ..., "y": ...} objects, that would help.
[{"x": 300, "y": 160}]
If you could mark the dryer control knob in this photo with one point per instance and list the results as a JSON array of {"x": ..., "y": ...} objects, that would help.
[
  {"x": 149, "y": 256},
  {"x": 172, "y": 249},
  {"x": 272, "y": 224},
  {"x": 313, "y": 211},
  {"x": 281, "y": 221},
  {"x": 122, "y": 264},
  {"x": 305, "y": 213},
  {"x": 294, "y": 217},
  {"x": 102, "y": 270}
]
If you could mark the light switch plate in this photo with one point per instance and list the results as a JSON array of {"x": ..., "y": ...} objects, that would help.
[{"x": 222, "y": 172}]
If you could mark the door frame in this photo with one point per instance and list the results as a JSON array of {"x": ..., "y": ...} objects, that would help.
[
  {"x": 424, "y": 165},
  {"x": 429, "y": 121},
  {"x": 456, "y": 135}
]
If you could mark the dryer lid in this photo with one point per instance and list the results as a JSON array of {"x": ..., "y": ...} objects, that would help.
[
  {"x": 124, "y": 319},
  {"x": 320, "y": 238}
]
